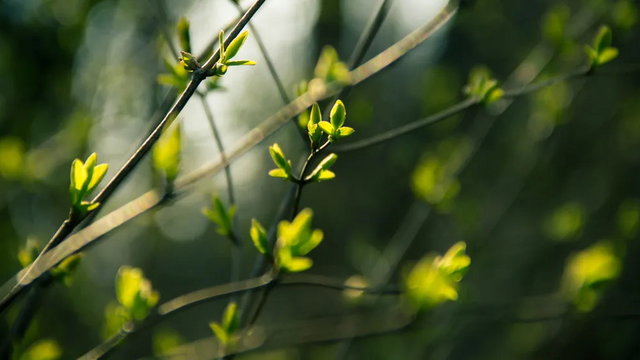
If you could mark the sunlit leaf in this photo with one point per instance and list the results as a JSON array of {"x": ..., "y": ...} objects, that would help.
[
  {"x": 235, "y": 45},
  {"x": 587, "y": 272},
  {"x": 338, "y": 114},
  {"x": 46, "y": 349},
  {"x": 184, "y": 38},
  {"x": 167, "y": 152},
  {"x": 259, "y": 237}
]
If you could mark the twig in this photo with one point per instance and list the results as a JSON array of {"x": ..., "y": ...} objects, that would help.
[
  {"x": 194, "y": 298},
  {"x": 218, "y": 140}
]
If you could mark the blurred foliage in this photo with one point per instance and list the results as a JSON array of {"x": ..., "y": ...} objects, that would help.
[{"x": 531, "y": 185}]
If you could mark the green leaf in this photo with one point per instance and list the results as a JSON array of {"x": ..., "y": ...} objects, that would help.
[
  {"x": 279, "y": 158},
  {"x": 311, "y": 242},
  {"x": 326, "y": 127},
  {"x": 64, "y": 271},
  {"x": 325, "y": 164},
  {"x": 326, "y": 175},
  {"x": 99, "y": 172},
  {"x": 259, "y": 237},
  {"x": 240, "y": 62},
  {"x": 167, "y": 151},
  {"x": 219, "y": 332},
  {"x": 221, "y": 216},
  {"x": 230, "y": 318},
  {"x": 134, "y": 292},
  {"x": 607, "y": 55},
  {"x": 78, "y": 175},
  {"x": 586, "y": 273},
  {"x": 46, "y": 349},
  {"x": 223, "y": 55},
  {"x": 329, "y": 67},
  {"x": 338, "y": 114},
  {"x": 315, "y": 116},
  {"x": 344, "y": 132},
  {"x": 184, "y": 38},
  {"x": 602, "y": 39},
  {"x": 434, "y": 279},
  {"x": 296, "y": 238},
  {"x": 235, "y": 45},
  {"x": 278, "y": 173},
  {"x": 482, "y": 86}
]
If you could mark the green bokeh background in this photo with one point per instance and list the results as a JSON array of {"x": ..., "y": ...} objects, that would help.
[{"x": 535, "y": 182}]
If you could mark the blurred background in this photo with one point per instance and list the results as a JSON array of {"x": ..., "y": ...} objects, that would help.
[{"x": 530, "y": 184}]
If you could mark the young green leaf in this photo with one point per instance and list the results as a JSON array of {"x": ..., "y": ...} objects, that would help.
[
  {"x": 281, "y": 162},
  {"x": 315, "y": 116},
  {"x": 326, "y": 127},
  {"x": 338, "y": 114},
  {"x": 259, "y": 237},
  {"x": 295, "y": 239},
  {"x": 343, "y": 132},
  {"x": 482, "y": 86},
  {"x": 221, "y": 216},
  {"x": 223, "y": 55},
  {"x": 84, "y": 178},
  {"x": 240, "y": 62},
  {"x": 601, "y": 51},
  {"x": 587, "y": 272},
  {"x": 227, "y": 329},
  {"x": 235, "y": 45},
  {"x": 184, "y": 38},
  {"x": 134, "y": 292},
  {"x": 434, "y": 279},
  {"x": 323, "y": 166},
  {"x": 167, "y": 151}
]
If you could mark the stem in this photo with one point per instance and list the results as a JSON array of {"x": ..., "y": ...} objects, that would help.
[
  {"x": 220, "y": 146},
  {"x": 187, "y": 301}
]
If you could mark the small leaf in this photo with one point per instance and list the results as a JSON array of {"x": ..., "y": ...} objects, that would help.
[
  {"x": 344, "y": 132},
  {"x": 230, "y": 318},
  {"x": 326, "y": 175},
  {"x": 602, "y": 39},
  {"x": 607, "y": 55},
  {"x": 278, "y": 173},
  {"x": 338, "y": 114},
  {"x": 325, "y": 164},
  {"x": 78, "y": 175},
  {"x": 298, "y": 264},
  {"x": 98, "y": 174},
  {"x": 240, "y": 62},
  {"x": 221, "y": 46},
  {"x": 219, "y": 332},
  {"x": 311, "y": 242},
  {"x": 279, "y": 158},
  {"x": 235, "y": 45},
  {"x": 221, "y": 216},
  {"x": 326, "y": 127},
  {"x": 259, "y": 237},
  {"x": 166, "y": 153},
  {"x": 184, "y": 38}
]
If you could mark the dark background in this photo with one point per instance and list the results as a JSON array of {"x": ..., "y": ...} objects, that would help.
[{"x": 553, "y": 173}]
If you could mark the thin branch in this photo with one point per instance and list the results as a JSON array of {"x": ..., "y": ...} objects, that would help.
[
  {"x": 218, "y": 140},
  {"x": 187, "y": 301}
]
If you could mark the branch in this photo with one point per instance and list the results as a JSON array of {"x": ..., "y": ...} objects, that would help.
[
  {"x": 187, "y": 301},
  {"x": 453, "y": 110}
]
